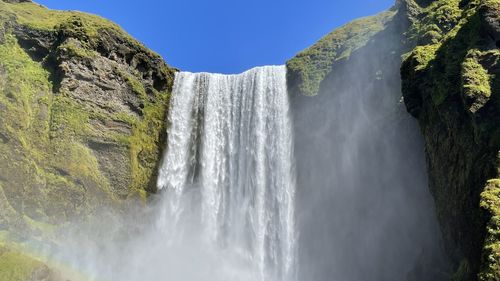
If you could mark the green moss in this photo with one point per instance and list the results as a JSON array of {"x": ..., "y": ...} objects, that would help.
[
  {"x": 310, "y": 67},
  {"x": 442, "y": 61},
  {"x": 449, "y": 84},
  {"x": 71, "y": 24},
  {"x": 73, "y": 48},
  {"x": 61, "y": 156},
  {"x": 39, "y": 17},
  {"x": 490, "y": 201},
  {"x": 44, "y": 134},
  {"x": 436, "y": 20},
  {"x": 136, "y": 86},
  {"x": 475, "y": 79},
  {"x": 423, "y": 55},
  {"x": 15, "y": 266},
  {"x": 18, "y": 263},
  {"x": 145, "y": 142}
]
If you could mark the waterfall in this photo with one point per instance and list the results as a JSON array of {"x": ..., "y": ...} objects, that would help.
[{"x": 228, "y": 168}]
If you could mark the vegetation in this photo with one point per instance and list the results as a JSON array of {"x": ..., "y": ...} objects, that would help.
[
  {"x": 435, "y": 21},
  {"x": 85, "y": 26},
  {"x": 69, "y": 145},
  {"x": 15, "y": 266},
  {"x": 450, "y": 82},
  {"x": 310, "y": 67},
  {"x": 490, "y": 201},
  {"x": 77, "y": 114},
  {"x": 476, "y": 81}
]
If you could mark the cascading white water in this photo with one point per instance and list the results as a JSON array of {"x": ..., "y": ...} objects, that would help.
[
  {"x": 228, "y": 168},
  {"x": 226, "y": 210}
]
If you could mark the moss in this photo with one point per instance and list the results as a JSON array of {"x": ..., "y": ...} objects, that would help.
[
  {"x": 310, "y": 67},
  {"x": 43, "y": 134},
  {"x": 435, "y": 20},
  {"x": 69, "y": 145},
  {"x": 441, "y": 61},
  {"x": 145, "y": 142},
  {"x": 423, "y": 55},
  {"x": 490, "y": 201},
  {"x": 68, "y": 118},
  {"x": 73, "y": 48},
  {"x": 136, "y": 86},
  {"x": 18, "y": 263},
  {"x": 39, "y": 17},
  {"x": 449, "y": 85},
  {"x": 15, "y": 266},
  {"x": 87, "y": 28},
  {"x": 51, "y": 138},
  {"x": 475, "y": 78}
]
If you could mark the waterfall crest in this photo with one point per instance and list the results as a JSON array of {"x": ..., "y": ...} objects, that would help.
[{"x": 228, "y": 168}]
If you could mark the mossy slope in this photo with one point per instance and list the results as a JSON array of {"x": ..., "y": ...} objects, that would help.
[
  {"x": 308, "y": 68},
  {"x": 15, "y": 266},
  {"x": 82, "y": 110}
]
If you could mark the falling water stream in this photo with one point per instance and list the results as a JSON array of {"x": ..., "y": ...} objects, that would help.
[{"x": 229, "y": 167}]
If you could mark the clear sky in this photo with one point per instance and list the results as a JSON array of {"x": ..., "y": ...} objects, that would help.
[{"x": 226, "y": 36}]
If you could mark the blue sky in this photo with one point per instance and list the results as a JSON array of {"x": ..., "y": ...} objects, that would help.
[{"x": 226, "y": 36}]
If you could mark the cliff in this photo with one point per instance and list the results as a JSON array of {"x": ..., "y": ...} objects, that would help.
[
  {"x": 82, "y": 110},
  {"x": 450, "y": 84},
  {"x": 360, "y": 162},
  {"x": 449, "y": 58}
]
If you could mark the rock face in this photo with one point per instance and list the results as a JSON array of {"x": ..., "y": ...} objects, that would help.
[
  {"x": 82, "y": 109},
  {"x": 450, "y": 84},
  {"x": 490, "y": 19}
]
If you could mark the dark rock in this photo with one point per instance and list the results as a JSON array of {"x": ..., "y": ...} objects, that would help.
[
  {"x": 37, "y": 43},
  {"x": 96, "y": 130},
  {"x": 490, "y": 19},
  {"x": 448, "y": 87}
]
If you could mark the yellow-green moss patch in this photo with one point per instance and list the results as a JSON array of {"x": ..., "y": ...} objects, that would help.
[
  {"x": 490, "y": 201},
  {"x": 475, "y": 79},
  {"x": 15, "y": 266}
]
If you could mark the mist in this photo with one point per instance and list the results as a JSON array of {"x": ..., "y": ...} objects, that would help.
[
  {"x": 134, "y": 246},
  {"x": 364, "y": 208}
]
